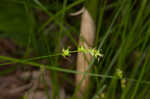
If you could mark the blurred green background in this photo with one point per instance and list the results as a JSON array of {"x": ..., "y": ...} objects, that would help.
[{"x": 40, "y": 28}]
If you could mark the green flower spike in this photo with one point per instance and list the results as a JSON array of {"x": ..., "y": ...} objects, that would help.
[
  {"x": 102, "y": 95},
  {"x": 123, "y": 83},
  {"x": 65, "y": 52},
  {"x": 96, "y": 53},
  {"x": 119, "y": 73},
  {"x": 82, "y": 49}
]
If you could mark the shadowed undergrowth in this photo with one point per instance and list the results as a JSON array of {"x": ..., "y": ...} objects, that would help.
[{"x": 42, "y": 28}]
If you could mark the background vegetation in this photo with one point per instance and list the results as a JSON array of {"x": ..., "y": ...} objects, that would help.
[{"x": 37, "y": 30}]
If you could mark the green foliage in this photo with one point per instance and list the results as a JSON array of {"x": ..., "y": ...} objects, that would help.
[
  {"x": 93, "y": 6},
  {"x": 16, "y": 21},
  {"x": 122, "y": 32}
]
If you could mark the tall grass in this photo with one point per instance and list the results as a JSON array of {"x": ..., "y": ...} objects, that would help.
[{"x": 122, "y": 35}]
